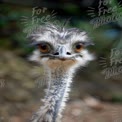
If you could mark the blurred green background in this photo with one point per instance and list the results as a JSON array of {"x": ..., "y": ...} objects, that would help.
[{"x": 21, "y": 83}]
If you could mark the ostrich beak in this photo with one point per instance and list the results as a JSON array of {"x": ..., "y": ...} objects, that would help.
[{"x": 62, "y": 53}]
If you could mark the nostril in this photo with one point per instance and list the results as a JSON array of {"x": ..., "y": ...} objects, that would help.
[
  {"x": 68, "y": 53},
  {"x": 56, "y": 53}
]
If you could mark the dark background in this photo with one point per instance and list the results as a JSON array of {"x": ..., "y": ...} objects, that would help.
[{"x": 21, "y": 85}]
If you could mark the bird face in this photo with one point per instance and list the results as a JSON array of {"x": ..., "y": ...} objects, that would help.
[{"x": 55, "y": 47}]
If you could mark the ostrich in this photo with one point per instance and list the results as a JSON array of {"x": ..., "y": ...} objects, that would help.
[{"x": 60, "y": 50}]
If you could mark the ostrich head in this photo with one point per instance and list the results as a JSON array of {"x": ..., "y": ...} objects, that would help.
[
  {"x": 59, "y": 47},
  {"x": 60, "y": 51}
]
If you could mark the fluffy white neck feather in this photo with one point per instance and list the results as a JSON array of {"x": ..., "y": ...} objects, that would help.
[{"x": 56, "y": 95}]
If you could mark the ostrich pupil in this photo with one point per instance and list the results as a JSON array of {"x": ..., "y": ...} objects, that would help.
[
  {"x": 43, "y": 47},
  {"x": 78, "y": 46}
]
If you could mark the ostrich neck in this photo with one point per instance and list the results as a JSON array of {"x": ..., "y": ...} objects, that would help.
[{"x": 57, "y": 93}]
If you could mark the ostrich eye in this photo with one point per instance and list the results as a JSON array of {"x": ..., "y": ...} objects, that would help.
[
  {"x": 78, "y": 47},
  {"x": 44, "y": 47}
]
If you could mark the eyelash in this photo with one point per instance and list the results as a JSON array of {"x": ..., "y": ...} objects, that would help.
[{"x": 77, "y": 47}]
